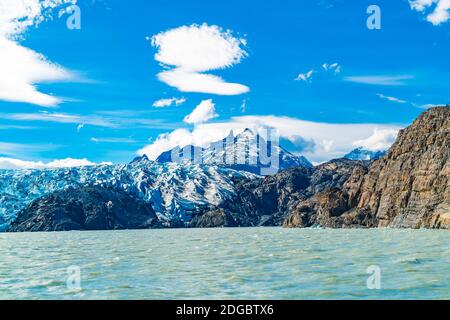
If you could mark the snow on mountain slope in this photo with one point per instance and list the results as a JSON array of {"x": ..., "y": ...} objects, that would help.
[
  {"x": 362, "y": 154},
  {"x": 174, "y": 190},
  {"x": 247, "y": 151}
]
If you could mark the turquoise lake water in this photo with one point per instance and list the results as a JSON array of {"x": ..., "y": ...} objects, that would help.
[{"x": 243, "y": 263}]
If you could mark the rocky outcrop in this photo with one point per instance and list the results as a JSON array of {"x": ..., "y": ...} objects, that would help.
[
  {"x": 89, "y": 208},
  {"x": 268, "y": 201},
  {"x": 408, "y": 188},
  {"x": 213, "y": 219}
]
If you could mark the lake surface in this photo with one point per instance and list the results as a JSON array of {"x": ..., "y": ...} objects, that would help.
[{"x": 243, "y": 263}]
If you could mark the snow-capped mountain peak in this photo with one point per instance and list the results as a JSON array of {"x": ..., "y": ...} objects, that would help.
[
  {"x": 363, "y": 154},
  {"x": 247, "y": 151}
]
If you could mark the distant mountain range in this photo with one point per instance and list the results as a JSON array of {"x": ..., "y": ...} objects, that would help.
[
  {"x": 365, "y": 155},
  {"x": 408, "y": 187},
  {"x": 244, "y": 152}
]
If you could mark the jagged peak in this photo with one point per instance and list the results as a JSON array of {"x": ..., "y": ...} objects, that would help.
[
  {"x": 246, "y": 133},
  {"x": 139, "y": 159},
  {"x": 361, "y": 153}
]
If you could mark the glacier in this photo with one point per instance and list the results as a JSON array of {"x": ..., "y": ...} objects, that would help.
[{"x": 176, "y": 191}]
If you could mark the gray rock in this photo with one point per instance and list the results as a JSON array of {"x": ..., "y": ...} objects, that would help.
[
  {"x": 89, "y": 208},
  {"x": 408, "y": 188}
]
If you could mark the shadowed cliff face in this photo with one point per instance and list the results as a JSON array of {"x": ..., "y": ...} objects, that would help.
[
  {"x": 90, "y": 208},
  {"x": 408, "y": 188},
  {"x": 268, "y": 201}
]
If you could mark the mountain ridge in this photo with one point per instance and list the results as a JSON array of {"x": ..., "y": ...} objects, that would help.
[
  {"x": 363, "y": 154},
  {"x": 409, "y": 187},
  {"x": 247, "y": 151}
]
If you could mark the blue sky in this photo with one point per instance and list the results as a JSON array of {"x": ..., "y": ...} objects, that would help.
[{"x": 106, "y": 83}]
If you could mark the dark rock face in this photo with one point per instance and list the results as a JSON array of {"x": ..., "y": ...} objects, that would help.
[
  {"x": 408, "y": 188},
  {"x": 213, "y": 219},
  {"x": 268, "y": 201},
  {"x": 90, "y": 208}
]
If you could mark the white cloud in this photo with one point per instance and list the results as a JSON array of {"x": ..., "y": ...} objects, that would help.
[
  {"x": 431, "y": 105},
  {"x": 306, "y": 77},
  {"x": 244, "y": 106},
  {"x": 328, "y": 140},
  {"x": 22, "y": 68},
  {"x": 80, "y": 126},
  {"x": 107, "y": 119},
  {"x": 113, "y": 140},
  {"x": 11, "y": 163},
  {"x": 205, "y": 111},
  {"x": 162, "y": 103},
  {"x": 10, "y": 149},
  {"x": 439, "y": 14},
  {"x": 16, "y": 127},
  {"x": 193, "y": 50},
  {"x": 381, "y": 139},
  {"x": 334, "y": 67},
  {"x": 60, "y": 118},
  {"x": 384, "y": 80},
  {"x": 392, "y": 99},
  {"x": 201, "y": 83},
  {"x": 167, "y": 141}
]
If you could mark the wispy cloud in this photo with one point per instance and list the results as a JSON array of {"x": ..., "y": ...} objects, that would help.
[
  {"x": 193, "y": 50},
  {"x": 243, "y": 106},
  {"x": 306, "y": 77},
  {"x": 334, "y": 67},
  {"x": 114, "y": 140},
  {"x": 27, "y": 150},
  {"x": 382, "y": 80},
  {"x": 16, "y": 127},
  {"x": 392, "y": 99},
  {"x": 117, "y": 120},
  {"x": 162, "y": 103},
  {"x": 12, "y": 163},
  {"x": 59, "y": 118},
  {"x": 431, "y": 105},
  {"x": 80, "y": 126}
]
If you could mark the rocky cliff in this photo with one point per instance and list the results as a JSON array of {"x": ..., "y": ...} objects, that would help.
[
  {"x": 90, "y": 208},
  {"x": 268, "y": 201},
  {"x": 408, "y": 188}
]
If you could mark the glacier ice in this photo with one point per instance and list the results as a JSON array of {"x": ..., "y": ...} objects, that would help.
[{"x": 175, "y": 191}]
